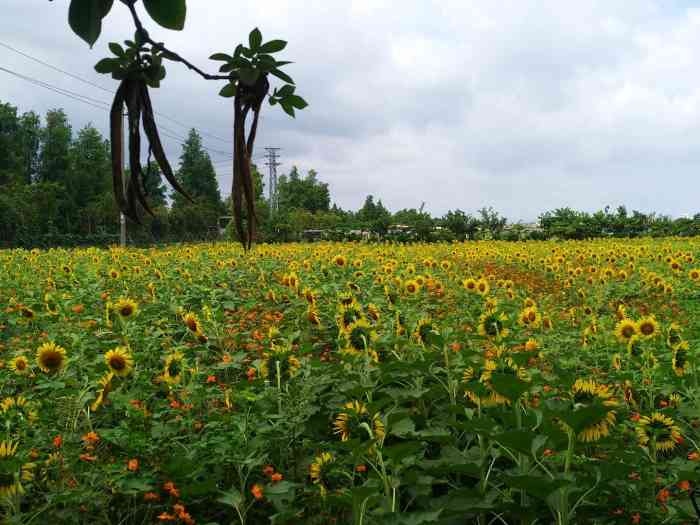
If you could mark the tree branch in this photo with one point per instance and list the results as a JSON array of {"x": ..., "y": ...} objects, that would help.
[{"x": 144, "y": 34}]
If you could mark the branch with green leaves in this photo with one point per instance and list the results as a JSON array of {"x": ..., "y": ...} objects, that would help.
[{"x": 139, "y": 65}]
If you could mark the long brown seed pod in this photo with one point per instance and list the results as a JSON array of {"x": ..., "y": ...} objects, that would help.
[
  {"x": 149, "y": 126},
  {"x": 116, "y": 127}
]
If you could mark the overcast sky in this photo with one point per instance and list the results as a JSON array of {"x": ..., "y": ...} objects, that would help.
[{"x": 524, "y": 105}]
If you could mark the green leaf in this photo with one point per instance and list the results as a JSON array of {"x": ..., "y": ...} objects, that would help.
[
  {"x": 228, "y": 91},
  {"x": 282, "y": 76},
  {"x": 232, "y": 498},
  {"x": 170, "y": 14},
  {"x": 85, "y": 18},
  {"x": 583, "y": 417},
  {"x": 255, "y": 39},
  {"x": 221, "y": 56},
  {"x": 402, "y": 428},
  {"x": 410, "y": 518},
  {"x": 519, "y": 440},
  {"x": 285, "y": 91},
  {"x": 535, "y": 486},
  {"x": 107, "y": 65},
  {"x": 249, "y": 76},
  {"x": 273, "y": 46},
  {"x": 116, "y": 49},
  {"x": 288, "y": 109},
  {"x": 508, "y": 385}
]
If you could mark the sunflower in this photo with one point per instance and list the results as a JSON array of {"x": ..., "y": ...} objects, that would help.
[
  {"x": 347, "y": 315},
  {"x": 492, "y": 324},
  {"x": 359, "y": 335},
  {"x": 373, "y": 312},
  {"x": 661, "y": 429},
  {"x": 105, "y": 383},
  {"x": 280, "y": 360},
  {"x": 18, "y": 410},
  {"x": 424, "y": 328},
  {"x": 113, "y": 274},
  {"x": 340, "y": 260},
  {"x": 174, "y": 365},
  {"x": 679, "y": 360},
  {"x": 20, "y": 365},
  {"x": 483, "y": 287},
  {"x": 11, "y": 470},
  {"x": 648, "y": 327},
  {"x": 310, "y": 296},
  {"x": 586, "y": 393},
  {"x": 119, "y": 361},
  {"x": 319, "y": 470},
  {"x": 674, "y": 335},
  {"x": 625, "y": 330},
  {"x": 355, "y": 420},
  {"x": 694, "y": 274},
  {"x": 530, "y": 317},
  {"x": 312, "y": 316},
  {"x": 125, "y": 307},
  {"x": 411, "y": 286},
  {"x": 469, "y": 284},
  {"x": 192, "y": 322},
  {"x": 50, "y": 357},
  {"x": 27, "y": 312}
]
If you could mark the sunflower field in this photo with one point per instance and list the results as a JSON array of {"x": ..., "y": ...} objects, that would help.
[{"x": 332, "y": 383}]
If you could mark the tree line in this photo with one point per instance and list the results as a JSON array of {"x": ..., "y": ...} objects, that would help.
[{"x": 55, "y": 189}]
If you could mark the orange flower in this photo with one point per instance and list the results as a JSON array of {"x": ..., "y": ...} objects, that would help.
[
  {"x": 251, "y": 374},
  {"x": 635, "y": 416},
  {"x": 276, "y": 477},
  {"x": 211, "y": 379},
  {"x": 683, "y": 485},
  {"x": 78, "y": 309},
  {"x": 361, "y": 468},
  {"x": 257, "y": 492},
  {"x": 151, "y": 496},
  {"x": 548, "y": 452},
  {"x": 164, "y": 516},
  {"x": 663, "y": 495},
  {"x": 87, "y": 457},
  {"x": 170, "y": 488},
  {"x": 58, "y": 441},
  {"x": 636, "y": 517},
  {"x": 91, "y": 438},
  {"x": 694, "y": 456},
  {"x": 268, "y": 471},
  {"x": 133, "y": 465}
]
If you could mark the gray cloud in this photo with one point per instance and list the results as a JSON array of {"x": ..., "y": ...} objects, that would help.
[{"x": 524, "y": 105}]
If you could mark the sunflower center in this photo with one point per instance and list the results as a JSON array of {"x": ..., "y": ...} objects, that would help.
[{"x": 117, "y": 362}]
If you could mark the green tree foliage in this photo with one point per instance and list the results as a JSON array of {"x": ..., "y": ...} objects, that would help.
[
  {"x": 303, "y": 193},
  {"x": 56, "y": 137},
  {"x": 374, "y": 216},
  {"x": 196, "y": 174},
  {"x": 461, "y": 224},
  {"x": 10, "y": 160}
]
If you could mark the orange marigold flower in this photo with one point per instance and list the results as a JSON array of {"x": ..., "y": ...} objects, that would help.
[
  {"x": 211, "y": 379},
  {"x": 151, "y": 496},
  {"x": 58, "y": 441},
  {"x": 133, "y": 465},
  {"x": 91, "y": 438},
  {"x": 257, "y": 491},
  {"x": 170, "y": 488},
  {"x": 78, "y": 308},
  {"x": 87, "y": 457},
  {"x": 636, "y": 517},
  {"x": 277, "y": 477},
  {"x": 683, "y": 485},
  {"x": 268, "y": 470},
  {"x": 694, "y": 456},
  {"x": 361, "y": 468},
  {"x": 663, "y": 495},
  {"x": 164, "y": 516},
  {"x": 548, "y": 452},
  {"x": 251, "y": 373}
]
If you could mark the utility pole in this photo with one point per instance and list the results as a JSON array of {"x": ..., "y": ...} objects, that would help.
[
  {"x": 271, "y": 157},
  {"x": 122, "y": 217}
]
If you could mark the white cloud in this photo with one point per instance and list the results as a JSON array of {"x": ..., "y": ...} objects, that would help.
[{"x": 523, "y": 104}]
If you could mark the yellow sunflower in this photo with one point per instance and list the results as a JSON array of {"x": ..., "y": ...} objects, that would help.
[
  {"x": 18, "y": 409},
  {"x": 424, "y": 327},
  {"x": 661, "y": 429},
  {"x": 119, "y": 361},
  {"x": 530, "y": 317},
  {"x": 174, "y": 366},
  {"x": 411, "y": 286},
  {"x": 648, "y": 327},
  {"x": 318, "y": 471},
  {"x": 625, "y": 330},
  {"x": 679, "y": 360},
  {"x": 340, "y": 260},
  {"x": 694, "y": 274},
  {"x": 20, "y": 365},
  {"x": 585, "y": 393},
  {"x": 125, "y": 307},
  {"x": 312, "y": 315},
  {"x": 492, "y": 324},
  {"x": 51, "y": 357},
  {"x": 355, "y": 420},
  {"x": 470, "y": 284},
  {"x": 105, "y": 383},
  {"x": 483, "y": 287},
  {"x": 11, "y": 470}
]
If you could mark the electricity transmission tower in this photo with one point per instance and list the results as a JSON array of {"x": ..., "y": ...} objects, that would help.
[{"x": 271, "y": 157}]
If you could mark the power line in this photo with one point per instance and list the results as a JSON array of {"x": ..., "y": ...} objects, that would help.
[
  {"x": 96, "y": 103},
  {"x": 93, "y": 84}
]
